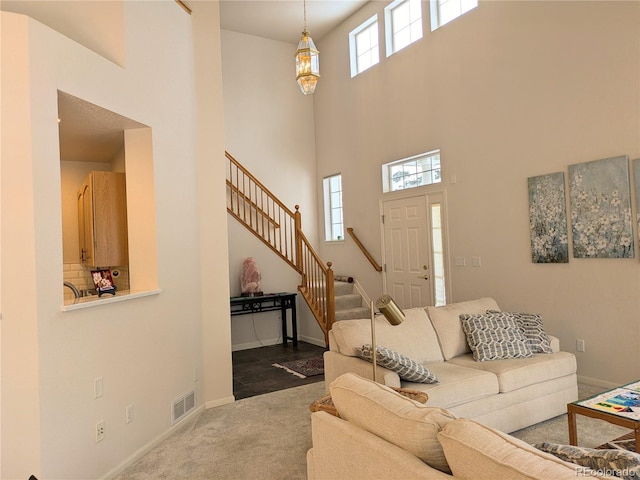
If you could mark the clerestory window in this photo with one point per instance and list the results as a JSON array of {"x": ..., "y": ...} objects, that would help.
[
  {"x": 363, "y": 46},
  {"x": 443, "y": 11},
  {"x": 403, "y": 24},
  {"x": 416, "y": 171}
]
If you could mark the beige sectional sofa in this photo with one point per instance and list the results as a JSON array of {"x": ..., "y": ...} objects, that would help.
[
  {"x": 381, "y": 434},
  {"x": 507, "y": 394}
]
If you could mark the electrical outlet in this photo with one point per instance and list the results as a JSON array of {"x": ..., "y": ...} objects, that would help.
[
  {"x": 129, "y": 414},
  {"x": 580, "y": 347},
  {"x": 100, "y": 431}
]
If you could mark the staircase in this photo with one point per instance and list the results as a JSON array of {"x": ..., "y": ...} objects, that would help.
[
  {"x": 264, "y": 215},
  {"x": 349, "y": 303}
]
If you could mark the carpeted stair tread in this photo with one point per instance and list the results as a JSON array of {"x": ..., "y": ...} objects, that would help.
[
  {"x": 353, "y": 313},
  {"x": 342, "y": 288},
  {"x": 349, "y": 302},
  {"x": 345, "y": 302}
]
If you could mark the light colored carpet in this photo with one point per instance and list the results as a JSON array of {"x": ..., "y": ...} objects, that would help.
[
  {"x": 267, "y": 438},
  {"x": 264, "y": 437},
  {"x": 591, "y": 432}
]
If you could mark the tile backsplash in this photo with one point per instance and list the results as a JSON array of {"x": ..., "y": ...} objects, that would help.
[{"x": 80, "y": 276}]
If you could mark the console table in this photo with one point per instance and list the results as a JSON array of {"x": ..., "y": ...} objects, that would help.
[{"x": 267, "y": 303}]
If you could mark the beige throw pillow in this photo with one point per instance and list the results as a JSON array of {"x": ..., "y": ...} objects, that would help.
[
  {"x": 397, "y": 419},
  {"x": 477, "y": 452},
  {"x": 414, "y": 338}
]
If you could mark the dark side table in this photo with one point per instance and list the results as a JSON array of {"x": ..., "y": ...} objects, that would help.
[{"x": 267, "y": 303}]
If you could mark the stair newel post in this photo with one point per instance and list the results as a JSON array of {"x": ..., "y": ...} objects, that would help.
[
  {"x": 331, "y": 300},
  {"x": 297, "y": 223}
]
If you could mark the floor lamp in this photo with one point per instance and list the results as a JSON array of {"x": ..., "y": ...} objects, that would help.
[{"x": 394, "y": 315}]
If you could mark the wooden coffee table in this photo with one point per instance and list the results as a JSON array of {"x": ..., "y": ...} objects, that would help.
[{"x": 619, "y": 406}]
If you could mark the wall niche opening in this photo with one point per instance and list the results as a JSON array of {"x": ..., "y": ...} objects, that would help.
[{"x": 108, "y": 206}]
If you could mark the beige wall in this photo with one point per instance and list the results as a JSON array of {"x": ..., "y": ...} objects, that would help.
[
  {"x": 508, "y": 91},
  {"x": 96, "y": 25},
  {"x": 148, "y": 350},
  {"x": 269, "y": 129}
]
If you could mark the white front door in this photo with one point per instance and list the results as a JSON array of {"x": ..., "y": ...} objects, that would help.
[{"x": 407, "y": 251}]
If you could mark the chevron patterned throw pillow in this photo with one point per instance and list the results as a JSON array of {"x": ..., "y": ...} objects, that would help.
[
  {"x": 406, "y": 368},
  {"x": 494, "y": 337},
  {"x": 530, "y": 325}
]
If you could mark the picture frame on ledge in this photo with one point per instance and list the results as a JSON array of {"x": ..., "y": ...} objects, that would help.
[{"x": 103, "y": 281}]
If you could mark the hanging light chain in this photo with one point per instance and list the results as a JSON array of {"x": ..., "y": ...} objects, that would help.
[{"x": 304, "y": 9}]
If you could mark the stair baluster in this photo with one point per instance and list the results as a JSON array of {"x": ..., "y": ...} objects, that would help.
[{"x": 263, "y": 214}]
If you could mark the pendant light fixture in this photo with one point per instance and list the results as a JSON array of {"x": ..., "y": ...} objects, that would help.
[{"x": 307, "y": 60}]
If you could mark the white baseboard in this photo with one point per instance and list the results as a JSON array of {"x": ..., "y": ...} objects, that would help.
[
  {"x": 146, "y": 448},
  {"x": 250, "y": 345},
  {"x": 219, "y": 402},
  {"x": 274, "y": 341},
  {"x": 596, "y": 382},
  {"x": 313, "y": 341}
]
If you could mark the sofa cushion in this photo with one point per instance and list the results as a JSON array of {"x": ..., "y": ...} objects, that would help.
[
  {"x": 446, "y": 321},
  {"x": 397, "y": 419},
  {"x": 621, "y": 463},
  {"x": 477, "y": 452},
  {"x": 532, "y": 328},
  {"x": 494, "y": 337},
  {"x": 414, "y": 338},
  {"x": 457, "y": 385},
  {"x": 513, "y": 374},
  {"x": 406, "y": 368}
]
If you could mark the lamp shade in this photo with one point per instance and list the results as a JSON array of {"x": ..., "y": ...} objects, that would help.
[
  {"x": 394, "y": 315},
  {"x": 390, "y": 309},
  {"x": 307, "y": 64}
]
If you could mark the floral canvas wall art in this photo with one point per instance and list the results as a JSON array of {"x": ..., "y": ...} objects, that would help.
[
  {"x": 548, "y": 219},
  {"x": 601, "y": 220},
  {"x": 636, "y": 177}
]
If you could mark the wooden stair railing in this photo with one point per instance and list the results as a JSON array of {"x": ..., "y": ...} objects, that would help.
[
  {"x": 264, "y": 215},
  {"x": 255, "y": 207},
  {"x": 317, "y": 286},
  {"x": 364, "y": 249}
]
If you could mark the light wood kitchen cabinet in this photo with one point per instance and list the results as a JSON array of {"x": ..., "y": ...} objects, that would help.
[{"x": 102, "y": 220}]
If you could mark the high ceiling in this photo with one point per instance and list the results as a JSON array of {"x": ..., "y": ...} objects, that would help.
[
  {"x": 88, "y": 132},
  {"x": 284, "y": 19}
]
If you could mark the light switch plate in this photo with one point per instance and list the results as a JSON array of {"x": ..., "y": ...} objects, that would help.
[{"x": 98, "y": 387}]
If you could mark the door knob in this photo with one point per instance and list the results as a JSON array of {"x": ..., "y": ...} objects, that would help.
[{"x": 425, "y": 277}]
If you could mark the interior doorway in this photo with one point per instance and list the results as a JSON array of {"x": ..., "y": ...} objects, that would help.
[{"x": 414, "y": 240}]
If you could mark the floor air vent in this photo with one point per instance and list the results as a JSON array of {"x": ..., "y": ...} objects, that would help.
[{"x": 183, "y": 405}]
